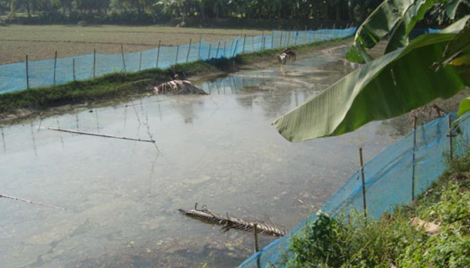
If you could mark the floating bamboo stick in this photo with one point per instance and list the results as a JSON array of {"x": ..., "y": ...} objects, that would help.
[
  {"x": 97, "y": 135},
  {"x": 29, "y": 201},
  {"x": 228, "y": 223}
]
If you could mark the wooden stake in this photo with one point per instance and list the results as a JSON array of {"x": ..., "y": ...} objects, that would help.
[
  {"x": 55, "y": 66},
  {"x": 97, "y": 135},
  {"x": 189, "y": 49},
  {"x": 29, "y": 201},
  {"x": 363, "y": 183},
  {"x": 27, "y": 72},
  {"x": 158, "y": 52},
  {"x": 415, "y": 119},
  {"x": 123, "y": 59},
  {"x": 255, "y": 229}
]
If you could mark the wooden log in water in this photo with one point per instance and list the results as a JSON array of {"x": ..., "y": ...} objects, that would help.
[{"x": 228, "y": 222}]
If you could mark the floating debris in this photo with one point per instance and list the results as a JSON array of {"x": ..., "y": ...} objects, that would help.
[
  {"x": 228, "y": 222},
  {"x": 287, "y": 55},
  {"x": 178, "y": 87}
]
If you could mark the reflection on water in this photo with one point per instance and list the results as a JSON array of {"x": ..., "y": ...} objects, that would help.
[{"x": 219, "y": 150}]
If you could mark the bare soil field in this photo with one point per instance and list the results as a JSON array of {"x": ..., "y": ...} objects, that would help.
[{"x": 41, "y": 42}]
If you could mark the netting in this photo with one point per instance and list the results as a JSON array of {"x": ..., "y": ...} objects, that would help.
[
  {"x": 388, "y": 180},
  {"x": 23, "y": 75}
]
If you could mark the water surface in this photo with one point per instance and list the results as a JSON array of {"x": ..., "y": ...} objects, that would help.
[{"x": 218, "y": 150}]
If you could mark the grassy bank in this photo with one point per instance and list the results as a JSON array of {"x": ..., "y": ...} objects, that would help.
[
  {"x": 119, "y": 85},
  {"x": 434, "y": 231}
]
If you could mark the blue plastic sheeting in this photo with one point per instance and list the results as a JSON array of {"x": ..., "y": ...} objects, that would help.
[
  {"x": 388, "y": 181},
  {"x": 42, "y": 73}
]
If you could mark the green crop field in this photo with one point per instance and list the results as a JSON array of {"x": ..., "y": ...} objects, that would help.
[{"x": 41, "y": 42}]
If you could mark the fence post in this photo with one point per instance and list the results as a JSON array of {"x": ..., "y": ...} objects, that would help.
[
  {"x": 288, "y": 39},
  {"x": 296, "y": 37},
  {"x": 253, "y": 42},
  {"x": 55, "y": 66},
  {"x": 189, "y": 49},
  {"x": 123, "y": 59},
  {"x": 177, "y": 54},
  {"x": 73, "y": 70},
  {"x": 94, "y": 63},
  {"x": 280, "y": 43},
  {"x": 158, "y": 52},
  {"x": 140, "y": 61},
  {"x": 217, "y": 54},
  {"x": 244, "y": 43},
  {"x": 363, "y": 183},
  {"x": 415, "y": 119}
]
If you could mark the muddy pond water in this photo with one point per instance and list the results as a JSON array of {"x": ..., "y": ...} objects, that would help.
[{"x": 219, "y": 150}]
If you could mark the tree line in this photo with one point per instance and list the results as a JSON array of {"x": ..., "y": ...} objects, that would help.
[{"x": 161, "y": 11}]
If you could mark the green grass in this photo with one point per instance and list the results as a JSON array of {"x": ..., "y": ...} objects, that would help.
[
  {"x": 121, "y": 85},
  {"x": 331, "y": 243}
]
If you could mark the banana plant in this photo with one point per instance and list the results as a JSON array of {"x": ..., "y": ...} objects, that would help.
[{"x": 431, "y": 66}]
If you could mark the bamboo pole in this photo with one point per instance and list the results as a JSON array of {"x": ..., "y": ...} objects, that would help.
[
  {"x": 451, "y": 149},
  {"x": 209, "y": 53},
  {"x": 262, "y": 36},
  {"x": 199, "y": 51},
  {"x": 272, "y": 40},
  {"x": 225, "y": 49},
  {"x": 189, "y": 49},
  {"x": 217, "y": 54},
  {"x": 94, "y": 63},
  {"x": 97, "y": 135},
  {"x": 177, "y": 54},
  {"x": 235, "y": 49},
  {"x": 55, "y": 66},
  {"x": 158, "y": 52},
  {"x": 253, "y": 42},
  {"x": 140, "y": 61},
  {"x": 123, "y": 59},
  {"x": 29, "y": 201},
  {"x": 27, "y": 72},
  {"x": 244, "y": 43},
  {"x": 364, "y": 199},
  {"x": 415, "y": 119},
  {"x": 255, "y": 230},
  {"x": 73, "y": 70}
]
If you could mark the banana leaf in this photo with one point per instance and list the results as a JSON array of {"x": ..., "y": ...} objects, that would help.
[
  {"x": 386, "y": 87},
  {"x": 377, "y": 26}
]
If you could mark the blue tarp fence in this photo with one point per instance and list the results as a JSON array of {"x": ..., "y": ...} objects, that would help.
[
  {"x": 22, "y": 75},
  {"x": 388, "y": 180}
]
